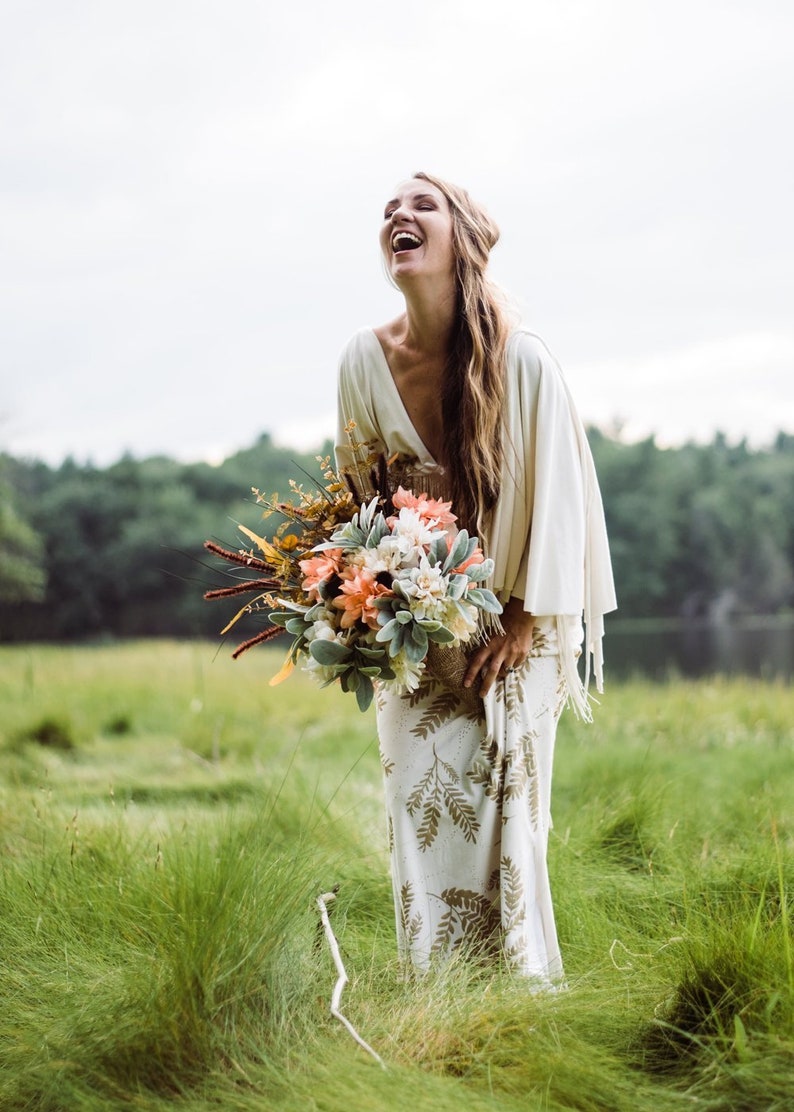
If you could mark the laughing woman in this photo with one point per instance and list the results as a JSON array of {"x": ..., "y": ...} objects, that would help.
[{"x": 482, "y": 412}]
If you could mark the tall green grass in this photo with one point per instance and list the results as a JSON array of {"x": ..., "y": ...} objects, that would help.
[{"x": 161, "y": 860}]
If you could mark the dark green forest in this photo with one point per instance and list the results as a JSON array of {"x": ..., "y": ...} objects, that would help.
[{"x": 85, "y": 552}]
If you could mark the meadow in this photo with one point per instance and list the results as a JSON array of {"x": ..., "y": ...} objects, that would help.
[{"x": 168, "y": 820}]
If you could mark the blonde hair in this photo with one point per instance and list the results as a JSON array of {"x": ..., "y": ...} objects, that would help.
[{"x": 474, "y": 378}]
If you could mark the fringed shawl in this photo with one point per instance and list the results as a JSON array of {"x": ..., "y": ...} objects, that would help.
[{"x": 547, "y": 534}]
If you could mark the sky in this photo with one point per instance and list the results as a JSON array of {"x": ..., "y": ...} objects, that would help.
[{"x": 191, "y": 193}]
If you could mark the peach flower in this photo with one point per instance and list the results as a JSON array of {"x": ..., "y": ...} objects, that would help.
[
  {"x": 318, "y": 568},
  {"x": 359, "y": 590},
  {"x": 430, "y": 510}
]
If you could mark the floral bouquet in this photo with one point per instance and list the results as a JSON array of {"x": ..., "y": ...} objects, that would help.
[{"x": 364, "y": 588}]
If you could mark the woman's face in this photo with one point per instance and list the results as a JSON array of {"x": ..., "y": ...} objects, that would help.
[{"x": 416, "y": 235}]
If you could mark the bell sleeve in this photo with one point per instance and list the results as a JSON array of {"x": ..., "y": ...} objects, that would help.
[
  {"x": 565, "y": 568},
  {"x": 356, "y": 420}
]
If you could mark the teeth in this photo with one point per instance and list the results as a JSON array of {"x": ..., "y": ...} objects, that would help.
[{"x": 409, "y": 237}]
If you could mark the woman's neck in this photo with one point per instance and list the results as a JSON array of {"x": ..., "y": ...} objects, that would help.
[{"x": 428, "y": 321}]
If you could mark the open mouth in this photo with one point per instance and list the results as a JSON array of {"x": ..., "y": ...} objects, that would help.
[{"x": 405, "y": 241}]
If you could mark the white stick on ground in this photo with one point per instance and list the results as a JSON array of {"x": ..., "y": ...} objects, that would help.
[{"x": 336, "y": 997}]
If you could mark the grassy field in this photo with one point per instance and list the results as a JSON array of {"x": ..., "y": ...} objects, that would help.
[{"x": 167, "y": 821}]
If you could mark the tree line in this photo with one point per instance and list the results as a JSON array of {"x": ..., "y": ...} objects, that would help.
[{"x": 695, "y": 531}]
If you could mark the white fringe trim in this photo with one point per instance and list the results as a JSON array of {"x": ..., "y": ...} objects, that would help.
[{"x": 578, "y": 689}]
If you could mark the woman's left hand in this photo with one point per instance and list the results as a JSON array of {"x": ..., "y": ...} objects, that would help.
[{"x": 504, "y": 651}]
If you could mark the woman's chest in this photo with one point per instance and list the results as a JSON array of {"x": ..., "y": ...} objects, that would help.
[{"x": 419, "y": 386}]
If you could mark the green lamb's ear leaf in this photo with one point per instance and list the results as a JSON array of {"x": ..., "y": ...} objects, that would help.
[
  {"x": 478, "y": 572},
  {"x": 457, "y": 586},
  {"x": 367, "y": 515},
  {"x": 442, "y": 635},
  {"x": 364, "y": 693},
  {"x": 377, "y": 532},
  {"x": 470, "y": 549},
  {"x": 457, "y": 554},
  {"x": 371, "y": 653},
  {"x": 404, "y": 617},
  {"x": 329, "y": 652},
  {"x": 413, "y": 652},
  {"x": 485, "y": 599},
  {"x": 349, "y": 535},
  {"x": 397, "y": 587},
  {"x": 281, "y": 617},
  {"x": 296, "y": 626},
  {"x": 389, "y": 631},
  {"x": 416, "y": 644},
  {"x": 438, "y": 550}
]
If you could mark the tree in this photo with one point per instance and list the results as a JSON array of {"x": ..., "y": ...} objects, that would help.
[
  {"x": 22, "y": 572},
  {"x": 87, "y": 551}
]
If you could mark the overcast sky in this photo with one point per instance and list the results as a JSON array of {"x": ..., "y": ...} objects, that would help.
[{"x": 190, "y": 196}]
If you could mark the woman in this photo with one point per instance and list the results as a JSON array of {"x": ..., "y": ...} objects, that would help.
[{"x": 483, "y": 412}]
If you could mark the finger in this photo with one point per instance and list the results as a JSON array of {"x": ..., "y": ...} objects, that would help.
[
  {"x": 491, "y": 673},
  {"x": 499, "y": 671},
  {"x": 476, "y": 664}
]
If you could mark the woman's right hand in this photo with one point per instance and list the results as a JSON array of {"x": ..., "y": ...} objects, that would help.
[{"x": 503, "y": 652}]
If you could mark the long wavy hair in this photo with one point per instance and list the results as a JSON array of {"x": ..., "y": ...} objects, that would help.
[{"x": 473, "y": 388}]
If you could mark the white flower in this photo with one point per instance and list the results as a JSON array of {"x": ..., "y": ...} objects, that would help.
[
  {"x": 461, "y": 624},
  {"x": 413, "y": 533},
  {"x": 356, "y": 558},
  {"x": 322, "y": 629},
  {"x": 386, "y": 556},
  {"x": 320, "y": 672},
  {"x": 407, "y": 675},
  {"x": 426, "y": 589}
]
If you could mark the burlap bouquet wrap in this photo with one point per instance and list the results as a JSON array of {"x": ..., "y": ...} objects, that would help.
[{"x": 448, "y": 666}]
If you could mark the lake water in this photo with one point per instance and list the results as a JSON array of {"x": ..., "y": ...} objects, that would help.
[{"x": 762, "y": 647}]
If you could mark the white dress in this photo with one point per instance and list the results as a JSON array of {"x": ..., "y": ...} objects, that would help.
[{"x": 468, "y": 788}]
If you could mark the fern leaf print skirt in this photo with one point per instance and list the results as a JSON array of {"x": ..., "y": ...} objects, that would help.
[{"x": 467, "y": 803}]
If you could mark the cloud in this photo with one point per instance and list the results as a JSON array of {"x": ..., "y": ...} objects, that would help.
[
  {"x": 307, "y": 435},
  {"x": 190, "y": 198},
  {"x": 739, "y": 385}
]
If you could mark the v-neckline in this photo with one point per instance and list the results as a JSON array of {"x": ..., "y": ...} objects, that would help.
[{"x": 424, "y": 454}]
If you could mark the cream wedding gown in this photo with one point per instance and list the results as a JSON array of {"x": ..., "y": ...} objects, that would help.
[{"x": 468, "y": 787}]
